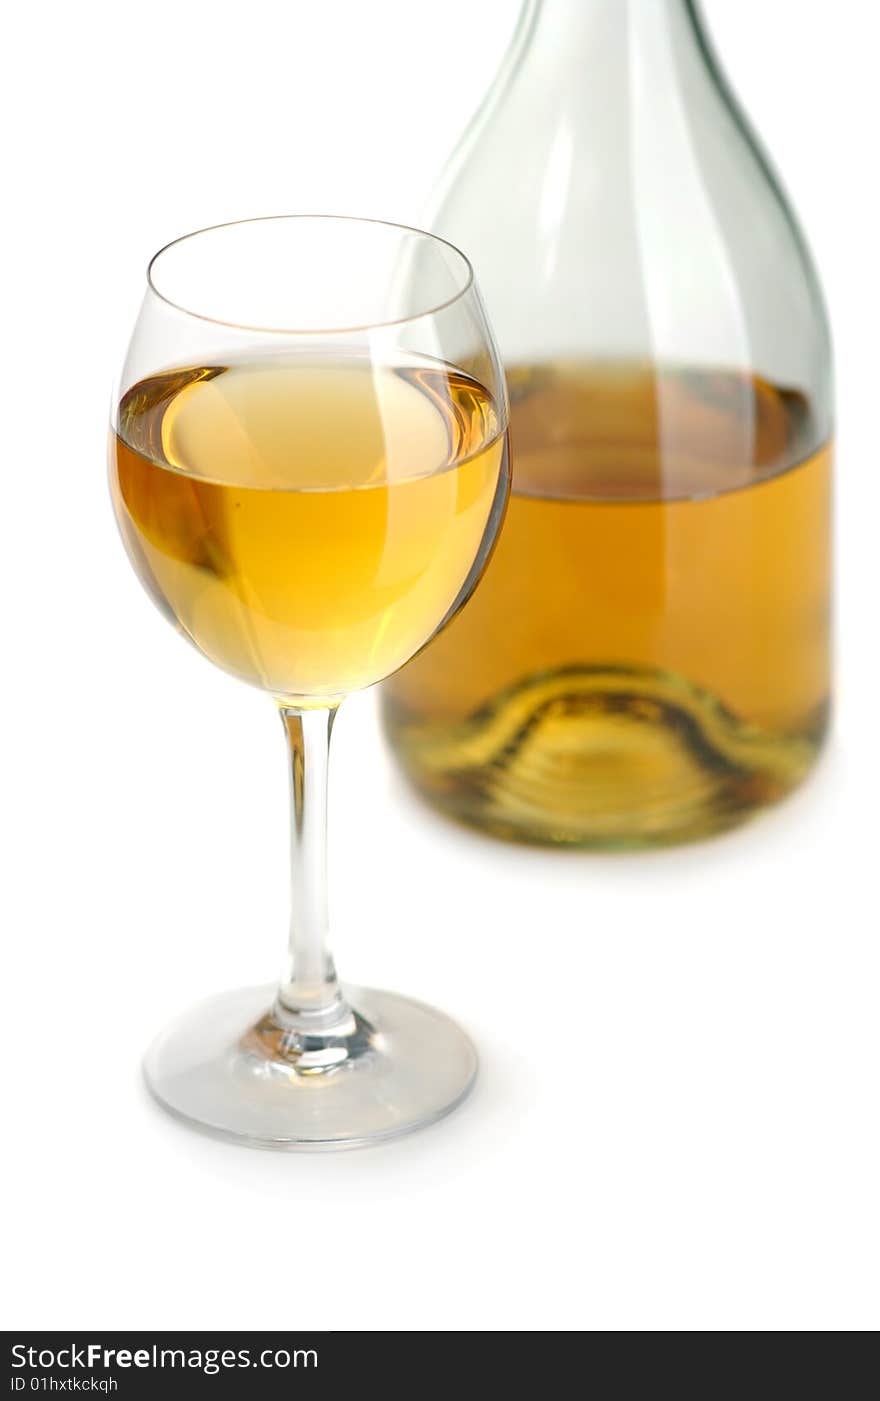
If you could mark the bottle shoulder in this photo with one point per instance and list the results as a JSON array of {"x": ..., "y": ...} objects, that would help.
[{"x": 631, "y": 216}]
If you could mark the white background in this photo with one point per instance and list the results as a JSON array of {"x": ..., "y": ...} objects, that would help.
[{"x": 676, "y": 1123}]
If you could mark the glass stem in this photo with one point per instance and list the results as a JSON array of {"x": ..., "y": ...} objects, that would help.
[{"x": 310, "y": 1001}]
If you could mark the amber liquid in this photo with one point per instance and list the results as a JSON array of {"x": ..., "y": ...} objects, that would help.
[
  {"x": 309, "y": 524},
  {"x": 647, "y": 657}
]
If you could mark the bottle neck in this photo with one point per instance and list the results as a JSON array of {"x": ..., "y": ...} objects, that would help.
[
  {"x": 598, "y": 30},
  {"x": 568, "y": 18},
  {"x": 595, "y": 55}
]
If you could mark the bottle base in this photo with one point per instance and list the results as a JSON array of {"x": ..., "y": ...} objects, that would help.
[{"x": 603, "y": 758}]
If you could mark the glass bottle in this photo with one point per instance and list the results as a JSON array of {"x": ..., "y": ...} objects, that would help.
[{"x": 647, "y": 657}]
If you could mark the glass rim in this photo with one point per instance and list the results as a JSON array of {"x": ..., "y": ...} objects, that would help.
[{"x": 467, "y": 286}]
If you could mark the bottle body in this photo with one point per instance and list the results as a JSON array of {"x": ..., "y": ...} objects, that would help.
[{"x": 647, "y": 657}]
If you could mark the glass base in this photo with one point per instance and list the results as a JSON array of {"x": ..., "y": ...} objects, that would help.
[{"x": 228, "y": 1068}]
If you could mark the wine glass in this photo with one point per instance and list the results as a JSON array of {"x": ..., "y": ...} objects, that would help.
[{"x": 309, "y": 467}]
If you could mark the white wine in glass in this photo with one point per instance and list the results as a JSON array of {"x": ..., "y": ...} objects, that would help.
[
  {"x": 307, "y": 524},
  {"x": 309, "y": 467}
]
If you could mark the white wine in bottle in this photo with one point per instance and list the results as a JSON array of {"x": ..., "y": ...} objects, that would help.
[{"x": 647, "y": 657}]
